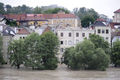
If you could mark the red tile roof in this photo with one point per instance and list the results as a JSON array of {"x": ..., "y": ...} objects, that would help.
[
  {"x": 22, "y": 31},
  {"x": 100, "y": 19},
  {"x": 16, "y": 16},
  {"x": 118, "y": 11},
  {"x": 38, "y": 16}
]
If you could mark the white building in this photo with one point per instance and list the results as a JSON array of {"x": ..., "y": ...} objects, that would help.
[
  {"x": 103, "y": 29},
  {"x": 21, "y": 33},
  {"x": 71, "y": 36},
  {"x": 116, "y": 17}
]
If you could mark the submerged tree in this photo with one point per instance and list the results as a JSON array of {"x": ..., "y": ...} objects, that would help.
[
  {"x": 85, "y": 56},
  {"x": 16, "y": 52},
  {"x": 1, "y": 54},
  {"x": 49, "y": 49},
  {"x": 115, "y": 56}
]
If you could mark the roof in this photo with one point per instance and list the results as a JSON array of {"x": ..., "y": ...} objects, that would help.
[
  {"x": 22, "y": 31},
  {"x": 99, "y": 23},
  {"x": 117, "y": 11},
  {"x": 100, "y": 19},
  {"x": 8, "y": 32},
  {"x": 20, "y": 17},
  {"x": 112, "y": 25},
  {"x": 16, "y": 16}
]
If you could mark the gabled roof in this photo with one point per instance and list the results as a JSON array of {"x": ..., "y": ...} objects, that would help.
[
  {"x": 117, "y": 11},
  {"x": 8, "y": 32},
  {"x": 99, "y": 23},
  {"x": 22, "y": 31}
]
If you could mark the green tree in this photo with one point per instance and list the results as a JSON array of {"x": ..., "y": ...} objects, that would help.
[
  {"x": 2, "y": 11},
  {"x": 1, "y": 54},
  {"x": 85, "y": 56},
  {"x": 99, "y": 42},
  {"x": 8, "y": 9},
  {"x": 116, "y": 53},
  {"x": 87, "y": 20},
  {"x": 32, "y": 49},
  {"x": 50, "y": 44},
  {"x": 37, "y": 10},
  {"x": 55, "y": 11},
  {"x": 15, "y": 50},
  {"x": 87, "y": 16}
]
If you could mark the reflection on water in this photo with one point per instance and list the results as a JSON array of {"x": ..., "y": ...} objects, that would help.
[{"x": 61, "y": 73}]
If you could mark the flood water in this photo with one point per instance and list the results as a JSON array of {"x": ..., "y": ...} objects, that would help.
[{"x": 61, "y": 73}]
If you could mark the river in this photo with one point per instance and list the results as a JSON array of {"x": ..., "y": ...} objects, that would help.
[{"x": 61, "y": 73}]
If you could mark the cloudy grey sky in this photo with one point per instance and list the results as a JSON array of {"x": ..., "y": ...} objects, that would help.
[{"x": 106, "y": 7}]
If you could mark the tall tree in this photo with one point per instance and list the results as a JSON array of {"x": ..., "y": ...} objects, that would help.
[
  {"x": 85, "y": 56},
  {"x": 87, "y": 20},
  {"x": 37, "y": 10},
  {"x": 1, "y": 54},
  {"x": 2, "y": 10},
  {"x": 8, "y": 9},
  {"x": 16, "y": 52},
  {"x": 49, "y": 50},
  {"x": 116, "y": 53},
  {"x": 87, "y": 16},
  {"x": 32, "y": 48},
  {"x": 99, "y": 42}
]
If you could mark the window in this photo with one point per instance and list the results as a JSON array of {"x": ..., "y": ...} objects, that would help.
[
  {"x": 23, "y": 37},
  {"x": 103, "y": 31},
  {"x": 107, "y": 38},
  {"x": 61, "y": 50},
  {"x": 70, "y": 42},
  {"x": 89, "y": 34},
  {"x": 77, "y": 34},
  {"x": 61, "y": 42},
  {"x": 69, "y": 34},
  {"x": 20, "y": 37},
  {"x": 61, "y": 34},
  {"x": 99, "y": 31},
  {"x": 107, "y": 31},
  {"x": 83, "y": 34},
  {"x": 77, "y": 41},
  {"x": 56, "y": 34}
]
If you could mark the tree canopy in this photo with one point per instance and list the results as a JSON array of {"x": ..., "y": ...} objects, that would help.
[
  {"x": 85, "y": 56},
  {"x": 1, "y": 54},
  {"x": 115, "y": 56},
  {"x": 37, "y": 52}
]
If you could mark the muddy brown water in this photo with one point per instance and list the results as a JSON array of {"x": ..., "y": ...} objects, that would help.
[{"x": 61, "y": 73}]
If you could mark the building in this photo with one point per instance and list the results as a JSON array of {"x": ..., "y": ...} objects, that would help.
[
  {"x": 8, "y": 34},
  {"x": 116, "y": 17},
  {"x": 21, "y": 33},
  {"x": 103, "y": 29},
  {"x": 71, "y": 36},
  {"x": 60, "y": 18}
]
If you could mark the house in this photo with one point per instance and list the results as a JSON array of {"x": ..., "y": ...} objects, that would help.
[
  {"x": 8, "y": 34},
  {"x": 102, "y": 28},
  {"x": 61, "y": 18},
  {"x": 116, "y": 17},
  {"x": 21, "y": 33},
  {"x": 70, "y": 36}
]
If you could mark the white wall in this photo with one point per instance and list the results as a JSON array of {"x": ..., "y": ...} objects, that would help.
[
  {"x": 104, "y": 35},
  {"x": 73, "y": 40}
]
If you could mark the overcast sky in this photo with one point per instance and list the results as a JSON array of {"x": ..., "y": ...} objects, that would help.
[{"x": 106, "y": 7}]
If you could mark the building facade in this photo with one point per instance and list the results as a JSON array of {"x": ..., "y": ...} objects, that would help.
[
  {"x": 71, "y": 36},
  {"x": 116, "y": 17}
]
